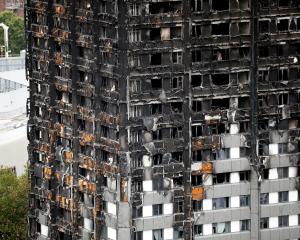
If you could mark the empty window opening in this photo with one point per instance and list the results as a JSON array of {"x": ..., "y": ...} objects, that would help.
[
  {"x": 198, "y": 229},
  {"x": 263, "y": 76},
  {"x": 155, "y": 34},
  {"x": 196, "y": 30},
  {"x": 156, "y": 109},
  {"x": 221, "y": 178},
  {"x": 244, "y": 102},
  {"x": 197, "y": 180},
  {"x": 157, "y": 135},
  {"x": 164, "y": 7},
  {"x": 176, "y": 132},
  {"x": 244, "y": 4},
  {"x": 283, "y": 99},
  {"x": 264, "y": 26},
  {"x": 264, "y": 223},
  {"x": 196, "y": 107},
  {"x": 176, "y": 107},
  {"x": 220, "y": 29},
  {"x": 177, "y": 57},
  {"x": 197, "y": 131},
  {"x": 196, "y": 56},
  {"x": 283, "y": 3},
  {"x": 218, "y": 5},
  {"x": 157, "y": 159},
  {"x": 220, "y": 54},
  {"x": 177, "y": 156},
  {"x": 217, "y": 128},
  {"x": 220, "y": 79},
  {"x": 263, "y": 51},
  {"x": 197, "y": 156},
  {"x": 155, "y": 59},
  {"x": 244, "y": 52},
  {"x": 156, "y": 83},
  {"x": 196, "y": 81},
  {"x": 244, "y": 176},
  {"x": 177, "y": 82},
  {"x": 244, "y": 127},
  {"x": 158, "y": 234},
  {"x": 222, "y": 103},
  {"x": 196, "y": 5},
  {"x": 283, "y": 74},
  {"x": 244, "y": 28},
  {"x": 283, "y": 25}
]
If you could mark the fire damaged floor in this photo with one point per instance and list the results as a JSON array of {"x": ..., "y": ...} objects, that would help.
[{"x": 160, "y": 120}]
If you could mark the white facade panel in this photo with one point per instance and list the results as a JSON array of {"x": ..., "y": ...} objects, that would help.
[{"x": 147, "y": 186}]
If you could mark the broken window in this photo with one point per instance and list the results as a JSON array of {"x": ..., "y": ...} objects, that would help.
[
  {"x": 134, "y": 36},
  {"x": 244, "y": 52},
  {"x": 196, "y": 5},
  {"x": 196, "y": 81},
  {"x": 197, "y": 131},
  {"x": 177, "y": 57},
  {"x": 156, "y": 109},
  {"x": 283, "y": 99},
  {"x": 264, "y": 198},
  {"x": 217, "y": 128},
  {"x": 165, "y": 34},
  {"x": 221, "y": 178},
  {"x": 264, "y": 26},
  {"x": 136, "y": 111},
  {"x": 263, "y": 51},
  {"x": 136, "y": 162},
  {"x": 157, "y": 135},
  {"x": 221, "y": 227},
  {"x": 177, "y": 156},
  {"x": 283, "y": 25},
  {"x": 156, "y": 83},
  {"x": 283, "y": 3},
  {"x": 135, "y": 9},
  {"x": 198, "y": 230},
  {"x": 218, "y": 5},
  {"x": 135, "y": 136},
  {"x": 220, "y": 203},
  {"x": 283, "y": 74},
  {"x": 220, "y": 79},
  {"x": 135, "y": 86},
  {"x": 155, "y": 59},
  {"x": 197, "y": 156},
  {"x": 221, "y": 103},
  {"x": 244, "y": 201},
  {"x": 197, "y": 180},
  {"x": 176, "y": 82},
  {"x": 157, "y": 209},
  {"x": 263, "y": 76},
  {"x": 196, "y": 107},
  {"x": 219, "y": 29},
  {"x": 176, "y": 107},
  {"x": 157, "y": 159},
  {"x": 196, "y": 56},
  {"x": 137, "y": 186},
  {"x": 155, "y": 34},
  {"x": 196, "y": 30},
  {"x": 176, "y": 132},
  {"x": 134, "y": 61},
  {"x": 220, "y": 54},
  {"x": 164, "y": 7}
]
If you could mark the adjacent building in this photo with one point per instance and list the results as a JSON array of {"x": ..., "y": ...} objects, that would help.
[{"x": 160, "y": 120}]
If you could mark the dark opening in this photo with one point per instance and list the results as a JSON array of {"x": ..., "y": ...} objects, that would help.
[
  {"x": 80, "y": 51},
  {"x": 220, "y": 5},
  {"x": 244, "y": 52},
  {"x": 283, "y": 25},
  {"x": 220, "y": 79},
  {"x": 157, "y": 159},
  {"x": 196, "y": 81},
  {"x": 156, "y": 109},
  {"x": 263, "y": 51},
  {"x": 197, "y": 180},
  {"x": 220, "y": 54},
  {"x": 155, "y": 34},
  {"x": 264, "y": 26},
  {"x": 197, "y": 106},
  {"x": 222, "y": 103},
  {"x": 221, "y": 178},
  {"x": 155, "y": 59},
  {"x": 197, "y": 131},
  {"x": 156, "y": 83},
  {"x": 176, "y": 107},
  {"x": 283, "y": 3},
  {"x": 196, "y": 30},
  {"x": 196, "y": 5},
  {"x": 160, "y": 7},
  {"x": 244, "y": 102},
  {"x": 196, "y": 56},
  {"x": 220, "y": 29}
]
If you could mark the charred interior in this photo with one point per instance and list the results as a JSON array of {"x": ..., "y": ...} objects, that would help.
[{"x": 161, "y": 120}]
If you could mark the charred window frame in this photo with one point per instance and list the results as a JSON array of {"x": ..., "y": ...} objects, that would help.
[{"x": 177, "y": 82}]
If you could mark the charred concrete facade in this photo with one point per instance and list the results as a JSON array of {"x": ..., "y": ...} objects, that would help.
[{"x": 154, "y": 120}]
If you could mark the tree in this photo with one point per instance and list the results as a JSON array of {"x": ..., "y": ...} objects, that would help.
[
  {"x": 13, "y": 205},
  {"x": 16, "y": 32}
]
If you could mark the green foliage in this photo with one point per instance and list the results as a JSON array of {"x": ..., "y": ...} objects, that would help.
[
  {"x": 13, "y": 205},
  {"x": 16, "y": 31}
]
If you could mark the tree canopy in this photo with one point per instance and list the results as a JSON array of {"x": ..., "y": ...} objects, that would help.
[
  {"x": 13, "y": 205},
  {"x": 16, "y": 31}
]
